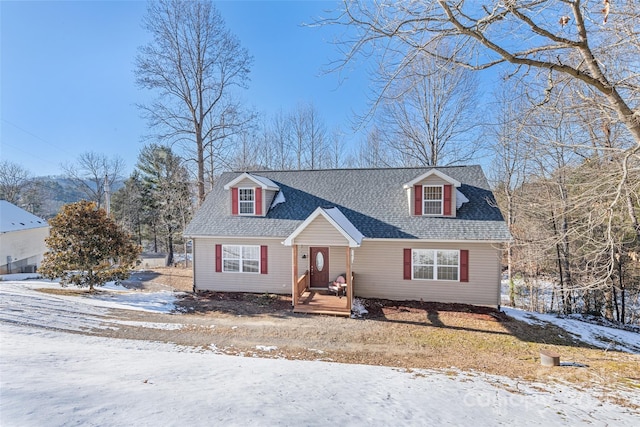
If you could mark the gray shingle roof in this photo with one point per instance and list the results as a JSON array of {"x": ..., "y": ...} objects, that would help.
[{"x": 374, "y": 200}]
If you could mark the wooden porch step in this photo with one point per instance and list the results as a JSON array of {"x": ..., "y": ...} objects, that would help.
[
  {"x": 302, "y": 308},
  {"x": 320, "y": 303}
]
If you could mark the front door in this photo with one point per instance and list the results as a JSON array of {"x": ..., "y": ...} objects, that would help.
[{"x": 319, "y": 267}]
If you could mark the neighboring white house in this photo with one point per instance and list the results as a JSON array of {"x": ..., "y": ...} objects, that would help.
[{"x": 22, "y": 237}]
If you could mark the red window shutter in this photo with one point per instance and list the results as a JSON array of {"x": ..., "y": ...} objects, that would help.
[
  {"x": 407, "y": 264},
  {"x": 417, "y": 194},
  {"x": 218, "y": 258},
  {"x": 234, "y": 201},
  {"x": 464, "y": 265},
  {"x": 263, "y": 260},
  {"x": 447, "y": 199},
  {"x": 258, "y": 192}
]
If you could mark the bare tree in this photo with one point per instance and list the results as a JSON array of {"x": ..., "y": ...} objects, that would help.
[
  {"x": 14, "y": 180},
  {"x": 565, "y": 214},
  {"x": 510, "y": 169},
  {"x": 334, "y": 153},
  {"x": 309, "y": 136},
  {"x": 195, "y": 63},
  {"x": 372, "y": 152},
  {"x": 429, "y": 113},
  {"x": 91, "y": 172},
  {"x": 281, "y": 138},
  {"x": 249, "y": 152},
  {"x": 570, "y": 40}
]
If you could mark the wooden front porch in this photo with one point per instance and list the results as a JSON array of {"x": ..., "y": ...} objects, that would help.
[
  {"x": 320, "y": 302},
  {"x": 306, "y": 299}
]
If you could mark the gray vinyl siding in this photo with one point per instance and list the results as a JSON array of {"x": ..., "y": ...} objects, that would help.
[
  {"x": 320, "y": 232},
  {"x": 337, "y": 261},
  {"x": 278, "y": 279},
  {"x": 378, "y": 267},
  {"x": 267, "y": 199},
  {"x": 246, "y": 183},
  {"x": 303, "y": 263}
]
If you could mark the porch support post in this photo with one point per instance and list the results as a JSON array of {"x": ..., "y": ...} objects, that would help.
[
  {"x": 294, "y": 275},
  {"x": 348, "y": 279}
]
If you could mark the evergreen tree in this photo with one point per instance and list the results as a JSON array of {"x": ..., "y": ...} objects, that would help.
[
  {"x": 128, "y": 206},
  {"x": 169, "y": 195},
  {"x": 87, "y": 248}
]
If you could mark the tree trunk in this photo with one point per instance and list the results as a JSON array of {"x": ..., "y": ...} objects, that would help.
[
  {"x": 170, "y": 249},
  {"x": 614, "y": 297},
  {"x": 186, "y": 255},
  {"x": 622, "y": 304},
  {"x": 633, "y": 216},
  {"x": 609, "y": 298},
  {"x": 200, "y": 161}
]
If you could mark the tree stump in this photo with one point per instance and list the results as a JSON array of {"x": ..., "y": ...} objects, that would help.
[{"x": 549, "y": 358}]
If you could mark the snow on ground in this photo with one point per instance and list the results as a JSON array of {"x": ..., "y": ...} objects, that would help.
[
  {"x": 590, "y": 333},
  {"x": 55, "y": 378},
  {"x": 49, "y": 377}
]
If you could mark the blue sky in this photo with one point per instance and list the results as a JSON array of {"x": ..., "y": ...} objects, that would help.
[{"x": 67, "y": 82}]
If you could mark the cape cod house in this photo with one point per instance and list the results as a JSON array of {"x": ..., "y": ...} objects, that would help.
[{"x": 431, "y": 234}]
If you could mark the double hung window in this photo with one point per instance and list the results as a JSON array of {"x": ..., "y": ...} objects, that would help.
[
  {"x": 432, "y": 200},
  {"x": 430, "y": 264},
  {"x": 246, "y": 201},
  {"x": 240, "y": 259}
]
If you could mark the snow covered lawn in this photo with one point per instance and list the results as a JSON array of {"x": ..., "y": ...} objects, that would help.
[
  {"x": 52, "y": 377},
  {"x": 596, "y": 335}
]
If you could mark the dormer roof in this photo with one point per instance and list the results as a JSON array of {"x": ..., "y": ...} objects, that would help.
[
  {"x": 429, "y": 173},
  {"x": 261, "y": 181}
]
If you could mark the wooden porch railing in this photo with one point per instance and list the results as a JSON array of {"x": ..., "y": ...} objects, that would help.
[{"x": 302, "y": 284}]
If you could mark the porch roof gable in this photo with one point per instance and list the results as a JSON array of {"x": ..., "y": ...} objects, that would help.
[{"x": 337, "y": 219}]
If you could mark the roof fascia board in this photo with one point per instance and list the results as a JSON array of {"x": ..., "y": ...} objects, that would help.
[
  {"x": 200, "y": 236},
  {"x": 491, "y": 241}
]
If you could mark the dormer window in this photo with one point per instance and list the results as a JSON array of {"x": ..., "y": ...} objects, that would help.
[
  {"x": 246, "y": 201},
  {"x": 432, "y": 194},
  {"x": 251, "y": 195},
  {"x": 432, "y": 199}
]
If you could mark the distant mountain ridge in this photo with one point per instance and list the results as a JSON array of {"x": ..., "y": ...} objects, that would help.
[{"x": 48, "y": 194}]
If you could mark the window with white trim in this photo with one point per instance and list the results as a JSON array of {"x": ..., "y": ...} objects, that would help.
[
  {"x": 432, "y": 199},
  {"x": 246, "y": 201},
  {"x": 240, "y": 259},
  {"x": 431, "y": 264}
]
